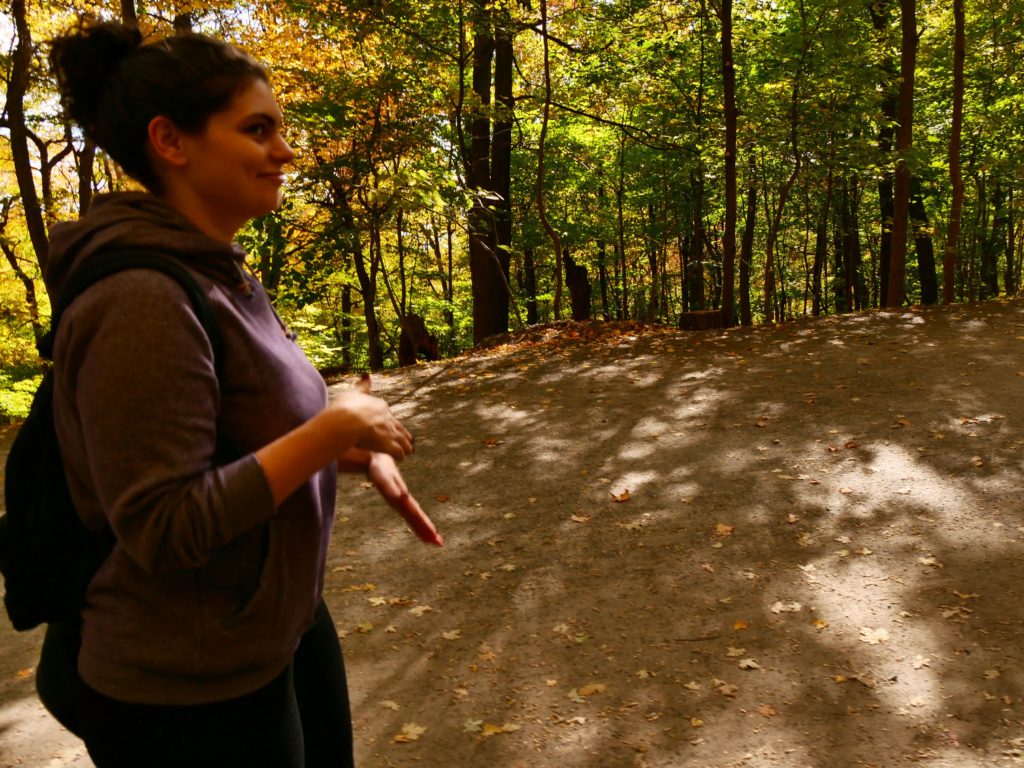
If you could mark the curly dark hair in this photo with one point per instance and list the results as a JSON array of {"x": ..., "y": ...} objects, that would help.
[{"x": 113, "y": 85}]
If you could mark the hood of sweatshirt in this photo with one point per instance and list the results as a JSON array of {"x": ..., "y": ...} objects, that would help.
[{"x": 142, "y": 220}]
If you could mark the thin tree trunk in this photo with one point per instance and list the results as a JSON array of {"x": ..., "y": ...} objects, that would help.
[
  {"x": 620, "y": 192},
  {"x": 1011, "y": 246},
  {"x": 556, "y": 240},
  {"x": 747, "y": 245},
  {"x": 904, "y": 140},
  {"x": 771, "y": 240},
  {"x": 602, "y": 274},
  {"x": 530, "y": 270},
  {"x": 21, "y": 65},
  {"x": 951, "y": 256},
  {"x": 729, "y": 235},
  {"x": 501, "y": 146},
  {"x": 880, "y": 15},
  {"x": 821, "y": 245}
]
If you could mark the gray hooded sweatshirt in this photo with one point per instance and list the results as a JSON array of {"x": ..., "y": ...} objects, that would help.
[{"x": 209, "y": 587}]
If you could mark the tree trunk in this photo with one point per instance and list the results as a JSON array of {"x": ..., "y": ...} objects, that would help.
[
  {"x": 821, "y": 246},
  {"x": 896, "y": 295},
  {"x": 530, "y": 270},
  {"x": 346, "y": 326},
  {"x": 556, "y": 240},
  {"x": 729, "y": 235},
  {"x": 1011, "y": 246},
  {"x": 923, "y": 244},
  {"x": 501, "y": 147},
  {"x": 602, "y": 274},
  {"x": 771, "y": 239},
  {"x": 620, "y": 263},
  {"x": 578, "y": 282},
  {"x": 747, "y": 245},
  {"x": 21, "y": 65},
  {"x": 952, "y": 253},
  {"x": 880, "y": 17},
  {"x": 652, "y": 265},
  {"x": 490, "y": 296}
]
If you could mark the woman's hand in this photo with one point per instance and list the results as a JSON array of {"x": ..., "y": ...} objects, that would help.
[
  {"x": 383, "y": 473},
  {"x": 375, "y": 426},
  {"x": 356, "y": 420}
]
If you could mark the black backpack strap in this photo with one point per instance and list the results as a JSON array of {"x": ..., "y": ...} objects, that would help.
[{"x": 114, "y": 260}]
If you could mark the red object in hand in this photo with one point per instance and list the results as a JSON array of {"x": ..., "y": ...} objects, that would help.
[{"x": 421, "y": 525}]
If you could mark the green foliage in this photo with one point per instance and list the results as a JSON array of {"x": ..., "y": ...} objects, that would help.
[
  {"x": 379, "y": 102},
  {"x": 17, "y": 386}
]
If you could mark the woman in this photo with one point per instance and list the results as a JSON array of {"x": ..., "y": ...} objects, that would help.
[{"x": 204, "y": 640}]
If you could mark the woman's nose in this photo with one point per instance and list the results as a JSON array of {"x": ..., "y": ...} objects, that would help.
[{"x": 283, "y": 150}]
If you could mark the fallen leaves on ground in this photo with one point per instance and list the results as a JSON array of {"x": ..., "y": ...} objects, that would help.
[
  {"x": 410, "y": 732},
  {"x": 873, "y": 636}
]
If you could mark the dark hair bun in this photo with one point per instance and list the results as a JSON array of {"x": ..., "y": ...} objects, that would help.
[{"x": 83, "y": 61}]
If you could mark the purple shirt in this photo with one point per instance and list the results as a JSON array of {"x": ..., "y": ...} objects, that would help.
[{"x": 209, "y": 587}]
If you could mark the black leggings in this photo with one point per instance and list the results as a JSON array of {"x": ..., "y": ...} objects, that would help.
[{"x": 301, "y": 719}]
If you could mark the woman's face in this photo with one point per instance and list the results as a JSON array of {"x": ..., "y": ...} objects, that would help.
[{"x": 235, "y": 165}]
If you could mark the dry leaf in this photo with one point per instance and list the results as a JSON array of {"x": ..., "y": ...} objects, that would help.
[
  {"x": 767, "y": 710},
  {"x": 442, "y": 498},
  {"x": 389, "y": 704},
  {"x": 364, "y": 628},
  {"x": 580, "y": 518},
  {"x": 490, "y": 730},
  {"x": 455, "y": 634},
  {"x": 873, "y": 636},
  {"x": 734, "y": 653},
  {"x": 724, "y": 530},
  {"x": 592, "y": 688},
  {"x": 419, "y": 610},
  {"x": 930, "y": 561},
  {"x": 781, "y": 607},
  {"x": 964, "y": 596},
  {"x": 360, "y": 588},
  {"x": 749, "y": 664},
  {"x": 726, "y": 689},
  {"x": 410, "y": 732},
  {"x": 992, "y": 674},
  {"x": 740, "y": 625},
  {"x": 621, "y": 497}
]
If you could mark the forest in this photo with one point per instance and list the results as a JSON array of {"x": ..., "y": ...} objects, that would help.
[{"x": 467, "y": 168}]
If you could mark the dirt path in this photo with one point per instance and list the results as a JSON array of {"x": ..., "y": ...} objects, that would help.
[{"x": 796, "y": 546}]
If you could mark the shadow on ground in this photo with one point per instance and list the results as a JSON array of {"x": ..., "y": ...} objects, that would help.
[{"x": 790, "y": 546}]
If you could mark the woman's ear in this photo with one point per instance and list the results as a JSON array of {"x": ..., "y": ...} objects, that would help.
[{"x": 167, "y": 141}]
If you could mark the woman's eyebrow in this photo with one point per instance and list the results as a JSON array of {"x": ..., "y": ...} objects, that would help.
[{"x": 266, "y": 117}]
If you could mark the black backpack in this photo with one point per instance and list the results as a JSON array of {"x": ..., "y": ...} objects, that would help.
[{"x": 47, "y": 555}]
